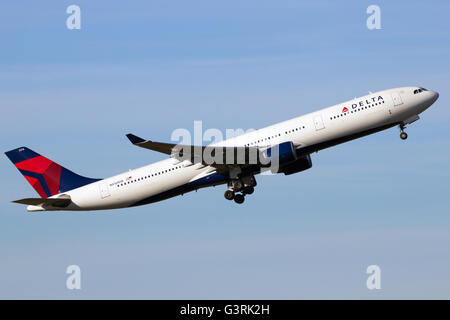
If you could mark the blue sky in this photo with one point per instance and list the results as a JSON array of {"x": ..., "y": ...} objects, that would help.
[{"x": 149, "y": 67}]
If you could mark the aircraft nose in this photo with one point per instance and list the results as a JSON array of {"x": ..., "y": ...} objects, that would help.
[{"x": 435, "y": 96}]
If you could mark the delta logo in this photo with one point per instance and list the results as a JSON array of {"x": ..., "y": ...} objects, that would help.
[{"x": 344, "y": 110}]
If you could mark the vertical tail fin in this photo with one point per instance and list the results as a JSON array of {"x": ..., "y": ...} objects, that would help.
[{"x": 45, "y": 176}]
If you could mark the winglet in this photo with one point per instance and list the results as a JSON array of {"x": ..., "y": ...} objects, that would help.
[{"x": 135, "y": 139}]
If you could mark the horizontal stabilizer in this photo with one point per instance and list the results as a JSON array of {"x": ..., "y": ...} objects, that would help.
[{"x": 60, "y": 202}]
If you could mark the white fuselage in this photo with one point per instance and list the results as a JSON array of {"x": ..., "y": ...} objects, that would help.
[{"x": 312, "y": 132}]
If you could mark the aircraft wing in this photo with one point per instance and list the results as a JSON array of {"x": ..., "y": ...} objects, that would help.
[
  {"x": 152, "y": 145},
  {"x": 216, "y": 156},
  {"x": 162, "y": 147}
]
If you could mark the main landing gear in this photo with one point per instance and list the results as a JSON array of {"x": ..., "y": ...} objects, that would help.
[
  {"x": 239, "y": 198},
  {"x": 244, "y": 185},
  {"x": 403, "y": 134},
  {"x": 229, "y": 195}
]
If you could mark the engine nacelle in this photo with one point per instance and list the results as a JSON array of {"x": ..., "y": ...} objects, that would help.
[
  {"x": 298, "y": 165},
  {"x": 280, "y": 154}
]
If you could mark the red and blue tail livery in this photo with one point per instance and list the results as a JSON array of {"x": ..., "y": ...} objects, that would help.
[{"x": 46, "y": 177}]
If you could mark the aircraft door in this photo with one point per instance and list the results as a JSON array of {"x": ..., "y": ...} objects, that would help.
[
  {"x": 318, "y": 122},
  {"x": 104, "y": 191},
  {"x": 396, "y": 98}
]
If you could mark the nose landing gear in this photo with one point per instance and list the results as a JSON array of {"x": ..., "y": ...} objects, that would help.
[
  {"x": 402, "y": 125},
  {"x": 403, "y": 134}
]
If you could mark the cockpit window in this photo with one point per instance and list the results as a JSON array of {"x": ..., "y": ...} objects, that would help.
[{"x": 419, "y": 90}]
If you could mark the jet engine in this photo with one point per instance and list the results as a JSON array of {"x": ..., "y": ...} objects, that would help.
[{"x": 298, "y": 165}]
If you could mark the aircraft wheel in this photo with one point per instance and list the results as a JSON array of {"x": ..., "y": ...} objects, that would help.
[
  {"x": 249, "y": 190},
  {"x": 403, "y": 135},
  {"x": 229, "y": 195},
  {"x": 237, "y": 185},
  {"x": 239, "y": 198}
]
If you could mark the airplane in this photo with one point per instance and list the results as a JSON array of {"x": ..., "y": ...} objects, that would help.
[{"x": 289, "y": 144}]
